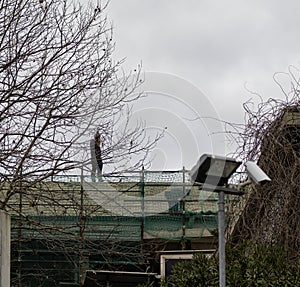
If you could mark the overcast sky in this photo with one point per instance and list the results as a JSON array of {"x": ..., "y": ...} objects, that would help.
[{"x": 218, "y": 46}]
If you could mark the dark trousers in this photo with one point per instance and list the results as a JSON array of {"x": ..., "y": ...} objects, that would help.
[{"x": 96, "y": 169}]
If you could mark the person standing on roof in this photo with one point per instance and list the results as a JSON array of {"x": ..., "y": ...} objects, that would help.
[{"x": 96, "y": 157}]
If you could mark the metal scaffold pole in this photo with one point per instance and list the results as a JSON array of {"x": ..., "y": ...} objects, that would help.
[
  {"x": 221, "y": 224},
  {"x": 142, "y": 191}
]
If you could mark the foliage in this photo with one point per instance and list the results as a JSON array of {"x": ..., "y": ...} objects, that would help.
[
  {"x": 201, "y": 271},
  {"x": 261, "y": 265},
  {"x": 148, "y": 284},
  {"x": 247, "y": 265}
]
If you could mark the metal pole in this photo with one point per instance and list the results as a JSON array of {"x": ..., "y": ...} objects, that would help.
[
  {"x": 142, "y": 190},
  {"x": 81, "y": 277},
  {"x": 221, "y": 225},
  {"x": 182, "y": 208}
]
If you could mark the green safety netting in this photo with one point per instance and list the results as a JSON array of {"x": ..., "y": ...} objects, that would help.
[
  {"x": 151, "y": 204},
  {"x": 74, "y": 221}
]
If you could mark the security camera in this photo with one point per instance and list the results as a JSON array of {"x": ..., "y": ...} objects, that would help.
[{"x": 256, "y": 174}]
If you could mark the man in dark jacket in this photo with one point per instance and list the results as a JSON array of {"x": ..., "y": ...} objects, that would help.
[{"x": 96, "y": 157}]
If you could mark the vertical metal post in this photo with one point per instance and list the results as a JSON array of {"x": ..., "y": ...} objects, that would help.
[
  {"x": 183, "y": 204},
  {"x": 20, "y": 227},
  {"x": 221, "y": 226},
  {"x": 81, "y": 277},
  {"x": 142, "y": 190}
]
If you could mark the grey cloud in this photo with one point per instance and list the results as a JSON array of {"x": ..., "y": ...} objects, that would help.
[{"x": 217, "y": 45}]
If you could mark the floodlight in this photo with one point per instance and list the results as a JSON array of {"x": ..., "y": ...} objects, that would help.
[{"x": 214, "y": 170}]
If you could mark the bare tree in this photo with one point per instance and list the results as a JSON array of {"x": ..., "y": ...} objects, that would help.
[
  {"x": 59, "y": 85},
  {"x": 271, "y": 136}
]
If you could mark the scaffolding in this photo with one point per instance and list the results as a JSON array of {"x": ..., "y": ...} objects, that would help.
[{"x": 69, "y": 224}]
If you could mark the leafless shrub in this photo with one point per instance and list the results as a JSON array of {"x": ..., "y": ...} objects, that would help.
[{"x": 271, "y": 136}]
